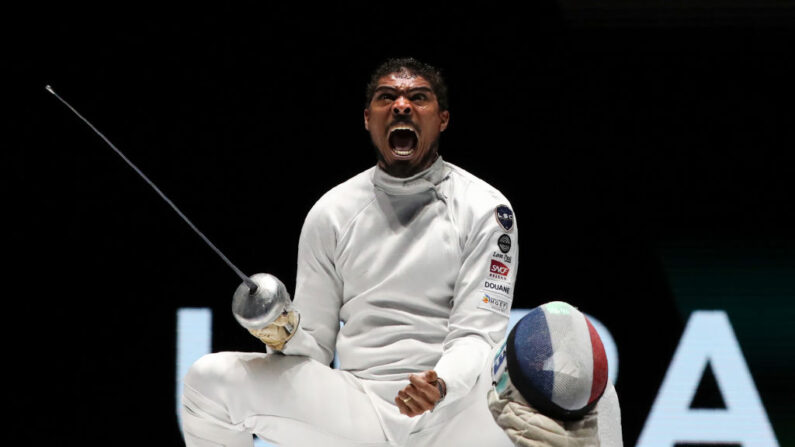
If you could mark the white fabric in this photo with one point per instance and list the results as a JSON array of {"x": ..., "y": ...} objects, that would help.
[
  {"x": 527, "y": 427},
  {"x": 295, "y": 401},
  {"x": 402, "y": 262},
  {"x": 286, "y": 400},
  {"x": 405, "y": 264},
  {"x": 609, "y": 413}
]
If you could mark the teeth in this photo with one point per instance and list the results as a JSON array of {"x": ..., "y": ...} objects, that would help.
[
  {"x": 402, "y": 128},
  {"x": 399, "y": 152}
]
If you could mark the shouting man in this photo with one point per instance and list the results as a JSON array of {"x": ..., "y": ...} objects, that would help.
[{"x": 417, "y": 258}]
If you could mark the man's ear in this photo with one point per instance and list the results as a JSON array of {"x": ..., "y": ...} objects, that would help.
[
  {"x": 367, "y": 118},
  {"x": 445, "y": 116}
]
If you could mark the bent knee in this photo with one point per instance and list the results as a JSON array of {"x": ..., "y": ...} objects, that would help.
[{"x": 216, "y": 369}]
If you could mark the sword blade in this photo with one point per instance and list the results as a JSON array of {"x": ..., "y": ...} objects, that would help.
[{"x": 251, "y": 285}]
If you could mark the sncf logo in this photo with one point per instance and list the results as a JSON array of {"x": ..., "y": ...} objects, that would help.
[{"x": 499, "y": 268}]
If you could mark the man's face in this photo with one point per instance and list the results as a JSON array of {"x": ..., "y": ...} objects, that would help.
[{"x": 404, "y": 121}]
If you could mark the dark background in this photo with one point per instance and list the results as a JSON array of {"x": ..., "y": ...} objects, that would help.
[{"x": 635, "y": 140}]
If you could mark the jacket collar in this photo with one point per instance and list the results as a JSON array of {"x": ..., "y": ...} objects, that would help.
[{"x": 417, "y": 183}]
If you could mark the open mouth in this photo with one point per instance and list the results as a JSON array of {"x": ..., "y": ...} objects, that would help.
[{"x": 403, "y": 140}]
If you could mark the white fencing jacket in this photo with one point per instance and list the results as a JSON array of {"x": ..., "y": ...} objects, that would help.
[{"x": 421, "y": 272}]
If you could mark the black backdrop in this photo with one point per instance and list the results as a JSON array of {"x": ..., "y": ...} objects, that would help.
[{"x": 615, "y": 132}]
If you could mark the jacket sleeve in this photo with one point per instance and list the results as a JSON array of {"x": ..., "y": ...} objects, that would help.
[
  {"x": 318, "y": 292},
  {"x": 482, "y": 300}
]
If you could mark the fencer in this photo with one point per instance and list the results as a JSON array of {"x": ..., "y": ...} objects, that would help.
[
  {"x": 362, "y": 262},
  {"x": 417, "y": 258}
]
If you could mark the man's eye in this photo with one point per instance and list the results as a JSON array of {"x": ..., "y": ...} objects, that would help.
[
  {"x": 419, "y": 97},
  {"x": 386, "y": 96}
]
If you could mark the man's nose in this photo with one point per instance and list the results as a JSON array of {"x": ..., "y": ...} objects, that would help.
[{"x": 401, "y": 106}]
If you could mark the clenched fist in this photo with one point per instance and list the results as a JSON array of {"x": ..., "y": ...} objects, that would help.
[{"x": 422, "y": 394}]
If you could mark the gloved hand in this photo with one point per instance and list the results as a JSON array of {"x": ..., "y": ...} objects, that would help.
[
  {"x": 278, "y": 333},
  {"x": 527, "y": 427}
]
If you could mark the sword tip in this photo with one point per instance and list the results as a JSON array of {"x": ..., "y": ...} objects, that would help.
[{"x": 49, "y": 89}]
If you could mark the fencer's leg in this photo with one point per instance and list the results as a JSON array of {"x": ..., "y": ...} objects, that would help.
[
  {"x": 609, "y": 416},
  {"x": 287, "y": 400},
  {"x": 469, "y": 425},
  {"x": 201, "y": 432},
  {"x": 205, "y": 420}
]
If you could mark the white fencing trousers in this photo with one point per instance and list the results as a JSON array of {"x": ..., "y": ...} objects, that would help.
[
  {"x": 294, "y": 401},
  {"x": 285, "y": 400}
]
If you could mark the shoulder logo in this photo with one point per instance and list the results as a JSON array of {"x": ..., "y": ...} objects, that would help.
[
  {"x": 504, "y": 217},
  {"x": 496, "y": 286},
  {"x": 496, "y": 304},
  {"x": 504, "y": 242},
  {"x": 498, "y": 269}
]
